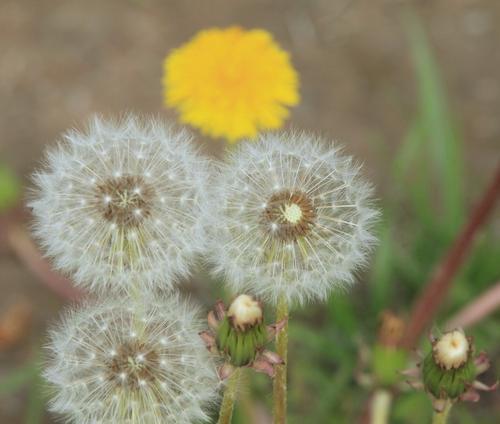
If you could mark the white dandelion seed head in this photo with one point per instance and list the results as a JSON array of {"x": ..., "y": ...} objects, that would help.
[
  {"x": 122, "y": 202},
  {"x": 290, "y": 216},
  {"x": 101, "y": 373}
]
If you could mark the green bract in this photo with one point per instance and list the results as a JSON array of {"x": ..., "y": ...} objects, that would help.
[
  {"x": 240, "y": 346},
  {"x": 447, "y": 384}
]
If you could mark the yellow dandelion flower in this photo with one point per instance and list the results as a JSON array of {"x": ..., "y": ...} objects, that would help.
[{"x": 230, "y": 82}]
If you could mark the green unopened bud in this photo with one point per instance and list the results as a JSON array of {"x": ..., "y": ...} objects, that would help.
[
  {"x": 449, "y": 370},
  {"x": 242, "y": 334}
]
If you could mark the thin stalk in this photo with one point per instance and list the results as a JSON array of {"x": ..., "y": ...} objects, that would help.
[
  {"x": 279, "y": 383},
  {"x": 478, "y": 309},
  {"x": 442, "y": 416},
  {"x": 438, "y": 286},
  {"x": 22, "y": 245},
  {"x": 230, "y": 394},
  {"x": 381, "y": 406}
]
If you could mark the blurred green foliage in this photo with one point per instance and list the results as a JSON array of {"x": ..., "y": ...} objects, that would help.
[
  {"x": 386, "y": 364},
  {"x": 9, "y": 188},
  {"x": 27, "y": 379}
]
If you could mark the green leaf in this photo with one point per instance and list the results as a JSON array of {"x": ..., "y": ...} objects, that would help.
[
  {"x": 412, "y": 408},
  {"x": 387, "y": 363},
  {"x": 408, "y": 154},
  {"x": 382, "y": 269},
  {"x": 18, "y": 378},
  {"x": 441, "y": 136},
  {"x": 9, "y": 188},
  {"x": 35, "y": 406},
  {"x": 341, "y": 312}
]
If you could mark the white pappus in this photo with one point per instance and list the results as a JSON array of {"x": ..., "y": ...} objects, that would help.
[
  {"x": 290, "y": 217},
  {"x": 120, "y": 361},
  {"x": 120, "y": 204}
]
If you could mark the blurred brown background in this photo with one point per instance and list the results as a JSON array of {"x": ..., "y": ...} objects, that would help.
[{"x": 62, "y": 60}]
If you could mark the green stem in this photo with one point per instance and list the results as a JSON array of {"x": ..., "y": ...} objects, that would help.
[
  {"x": 442, "y": 417},
  {"x": 381, "y": 405},
  {"x": 230, "y": 394},
  {"x": 279, "y": 384}
]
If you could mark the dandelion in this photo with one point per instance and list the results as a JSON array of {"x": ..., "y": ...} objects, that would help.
[
  {"x": 290, "y": 221},
  {"x": 290, "y": 218},
  {"x": 230, "y": 82},
  {"x": 121, "y": 204},
  {"x": 119, "y": 362},
  {"x": 239, "y": 336},
  {"x": 448, "y": 372}
]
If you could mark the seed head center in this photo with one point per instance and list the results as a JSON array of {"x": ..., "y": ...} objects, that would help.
[
  {"x": 289, "y": 215},
  {"x": 292, "y": 213},
  {"x": 125, "y": 200},
  {"x": 132, "y": 365}
]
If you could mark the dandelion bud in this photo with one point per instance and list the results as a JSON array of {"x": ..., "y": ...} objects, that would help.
[
  {"x": 448, "y": 370},
  {"x": 121, "y": 203},
  {"x": 452, "y": 350},
  {"x": 242, "y": 333},
  {"x": 239, "y": 336},
  {"x": 387, "y": 357},
  {"x": 122, "y": 362}
]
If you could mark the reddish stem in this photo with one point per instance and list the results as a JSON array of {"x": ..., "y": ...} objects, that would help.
[
  {"x": 479, "y": 308},
  {"x": 437, "y": 287},
  {"x": 27, "y": 252}
]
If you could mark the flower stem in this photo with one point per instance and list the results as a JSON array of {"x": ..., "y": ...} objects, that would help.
[
  {"x": 279, "y": 384},
  {"x": 381, "y": 405},
  {"x": 440, "y": 283},
  {"x": 442, "y": 416},
  {"x": 485, "y": 304},
  {"x": 23, "y": 246},
  {"x": 230, "y": 394}
]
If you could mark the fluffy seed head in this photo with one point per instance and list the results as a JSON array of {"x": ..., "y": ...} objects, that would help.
[
  {"x": 122, "y": 362},
  {"x": 121, "y": 203},
  {"x": 290, "y": 216}
]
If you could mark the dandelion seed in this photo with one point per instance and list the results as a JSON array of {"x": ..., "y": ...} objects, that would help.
[
  {"x": 112, "y": 222},
  {"x": 230, "y": 82},
  {"x": 300, "y": 228},
  {"x": 142, "y": 380}
]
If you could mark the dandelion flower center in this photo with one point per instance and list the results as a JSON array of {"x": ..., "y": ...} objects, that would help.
[
  {"x": 290, "y": 214},
  {"x": 133, "y": 365},
  {"x": 125, "y": 200}
]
